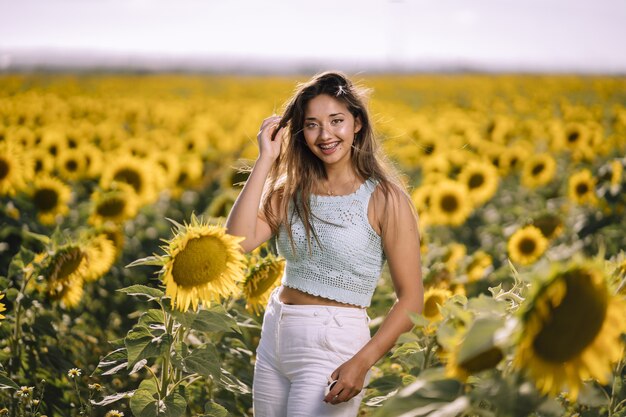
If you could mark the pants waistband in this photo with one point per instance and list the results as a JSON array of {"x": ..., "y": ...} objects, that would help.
[{"x": 314, "y": 310}]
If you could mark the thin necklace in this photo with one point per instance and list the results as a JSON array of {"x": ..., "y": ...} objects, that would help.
[{"x": 331, "y": 192}]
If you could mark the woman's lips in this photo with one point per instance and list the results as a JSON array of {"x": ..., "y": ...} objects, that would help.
[{"x": 328, "y": 148}]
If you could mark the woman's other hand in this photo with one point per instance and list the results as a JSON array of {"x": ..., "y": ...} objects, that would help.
[
  {"x": 268, "y": 148},
  {"x": 350, "y": 378}
]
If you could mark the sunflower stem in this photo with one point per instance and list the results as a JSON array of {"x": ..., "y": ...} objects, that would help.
[
  {"x": 165, "y": 369},
  {"x": 15, "y": 344},
  {"x": 429, "y": 348}
]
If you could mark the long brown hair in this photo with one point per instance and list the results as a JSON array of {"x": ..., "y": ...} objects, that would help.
[{"x": 297, "y": 169}]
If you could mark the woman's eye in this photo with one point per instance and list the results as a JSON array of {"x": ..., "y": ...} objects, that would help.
[
  {"x": 310, "y": 125},
  {"x": 337, "y": 121}
]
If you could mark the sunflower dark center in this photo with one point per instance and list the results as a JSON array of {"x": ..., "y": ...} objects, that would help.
[
  {"x": 476, "y": 180},
  {"x": 4, "y": 169},
  {"x": 547, "y": 225},
  {"x": 46, "y": 199},
  {"x": 71, "y": 165},
  {"x": 66, "y": 263},
  {"x": 449, "y": 203},
  {"x": 573, "y": 137},
  {"x": 203, "y": 260},
  {"x": 538, "y": 169},
  {"x": 430, "y": 306},
  {"x": 527, "y": 246},
  {"x": 574, "y": 324},
  {"x": 429, "y": 149},
  {"x": 582, "y": 188},
  {"x": 111, "y": 207},
  {"x": 484, "y": 360},
  {"x": 129, "y": 176},
  {"x": 38, "y": 165}
]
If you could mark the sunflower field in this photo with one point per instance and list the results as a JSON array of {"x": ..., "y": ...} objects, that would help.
[{"x": 122, "y": 295}]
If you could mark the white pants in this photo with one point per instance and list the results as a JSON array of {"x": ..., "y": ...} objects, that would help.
[{"x": 300, "y": 346}]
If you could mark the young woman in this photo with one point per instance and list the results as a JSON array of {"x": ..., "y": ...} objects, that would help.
[{"x": 321, "y": 188}]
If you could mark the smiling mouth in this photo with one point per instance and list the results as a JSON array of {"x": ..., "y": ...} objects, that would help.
[{"x": 329, "y": 146}]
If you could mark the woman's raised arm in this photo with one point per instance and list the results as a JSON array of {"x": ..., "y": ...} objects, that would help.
[{"x": 243, "y": 219}]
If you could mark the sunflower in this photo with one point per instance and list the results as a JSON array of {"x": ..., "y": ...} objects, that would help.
[
  {"x": 43, "y": 162},
  {"x": 116, "y": 205},
  {"x": 260, "y": 280},
  {"x": 114, "y": 233},
  {"x": 562, "y": 344},
  {"x": 71, "y": 164},
  {"x": 454, "y": 254},
  {"x": 511, "y": 158},
  {"x": 433, "y": 299},
  {"x": 581, "y": 187},
  {"x": 450, "y": 203},
  {"x": 12, "y": 169},
  {"x": 64, "y": 271},
  {"x": 133, "y": 171},
  {"x": 93, "y": 160},
  {"x": 481, "y": 179},
  {"x": 101, "y": 254},
  {"x": 170, "y": 165},
  {"x": 50, "y": 197},
  {"x": 575, "y": 136},
  {"x": 617, "y": 169},
  {"x": 234, "y": 176},
  {"x": 2, "y": 307},
  {"x": 53, "y": 141},
  {"x": 526, "y": 245},
  {"x": 438, "y": 164},
  {"x": 550, "y": 224},
  {"x": 191, "y": 168},
  {"x": 538, "y": 169},
  {"x": 480, "y": 265},
  {"x": 202, "y": 263},
  {"x": 222, "y": 204}
]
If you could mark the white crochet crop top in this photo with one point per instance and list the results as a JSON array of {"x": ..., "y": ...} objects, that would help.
[{"x": 348, "y": 264}]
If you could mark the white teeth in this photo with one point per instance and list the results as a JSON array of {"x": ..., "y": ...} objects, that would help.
[{"x": 326, "y": 147}]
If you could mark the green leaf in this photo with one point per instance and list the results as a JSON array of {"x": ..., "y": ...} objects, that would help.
[
  {"x": 142, "y": 344},
  {"x": 215, "y": 319},
  {"x": 212, "y": 320},
  {"x": 153, "y": 317},
  {"x": 7, "y": 383},
  {"x": 138, "y": 290},
  {"x": 386, "y": 383},
  {"x": 479, "y": 337},
  {"x": 214, "y": 410},
  {"x": 424, "y": 397},
  {"x": 204, "y": 360},
  {"x": 418, "y": 319},
  {"x": 110, "y": 399},
  {"x": 148, "y": 260},
  {"x": 232, "y": 384},
  {"x": 113, "y": 362},
  {"x": 145, "y": 403},
  {"x": 484, "y": 304}
]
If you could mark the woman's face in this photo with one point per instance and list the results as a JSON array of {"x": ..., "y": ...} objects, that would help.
[{"x": 329, "y": 129}]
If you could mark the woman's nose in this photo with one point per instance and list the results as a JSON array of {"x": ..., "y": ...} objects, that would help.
[{"x": 325, "y": 131}]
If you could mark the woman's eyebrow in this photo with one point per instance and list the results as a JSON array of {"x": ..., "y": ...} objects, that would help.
[{"x": 330, "y": 115}]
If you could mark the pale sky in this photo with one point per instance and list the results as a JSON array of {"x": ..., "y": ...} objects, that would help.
[{"x": 570, "y": 35}]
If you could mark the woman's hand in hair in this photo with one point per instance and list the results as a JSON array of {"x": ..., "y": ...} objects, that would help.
[{"x": 270, "y": 143}]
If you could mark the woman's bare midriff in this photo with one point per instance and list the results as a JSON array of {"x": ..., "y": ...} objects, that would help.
[{"x": 293, "y": 296}]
